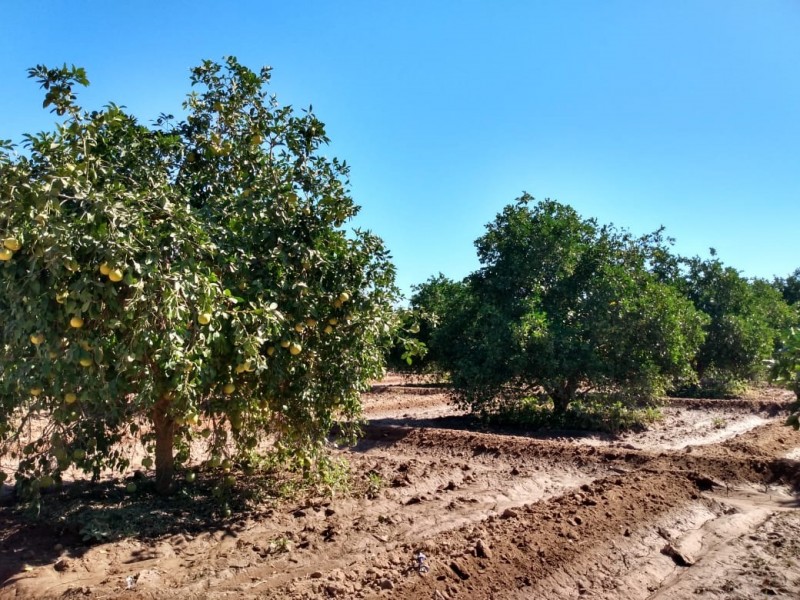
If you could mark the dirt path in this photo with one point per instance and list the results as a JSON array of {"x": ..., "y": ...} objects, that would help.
[{"x": 704, "y": 505}]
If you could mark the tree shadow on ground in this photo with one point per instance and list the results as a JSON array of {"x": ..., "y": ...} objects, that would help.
[
  {"x": 80, "y": 514},
  {"x": 382, "y": 428}
]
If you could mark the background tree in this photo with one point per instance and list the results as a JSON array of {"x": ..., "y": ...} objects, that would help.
[
  {"x": 786, "y": 370},
  {"x": 189, "y": 278},
  {"x": 789, "y": 287},
  {"x": 745, "y": 318},
  {"x": 431, "y": 302},
  {"x": 566, "y": 306}
]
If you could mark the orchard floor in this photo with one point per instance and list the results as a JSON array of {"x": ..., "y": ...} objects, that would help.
[{"x": 703, "y": 505}]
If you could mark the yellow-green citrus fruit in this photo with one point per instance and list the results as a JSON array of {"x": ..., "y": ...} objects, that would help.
[
  {"x": 204, "y": 318},
  {"x": 37, "y": 338},
  {"x": 311, "y": 322},
  {"x": 344, "y": 297},
  {"x": 285, "y": 343},
  {"x": 61, "y": 297},
  {"x": 76, "y": 322},
  {"x": 295, "y": 349},
  {"x": 328, "y": 329},
  {"x": 299, "y": 327},
  {"x": 105, "y": 269},
  {"x": 190, "y": 477},
  {"x": 115, "y": 275},
  {"x": 228, "y": 388},
  {"x": 12, "y": 244},
  {"x": 85, "y": 362},
  {"x": 70, "y": 398},
  {"x": 270, "y": 350},
  {"x": 6, "y": 254},
  {"x": 35, "y": 391},
  {"x": 131, "y": 488}
]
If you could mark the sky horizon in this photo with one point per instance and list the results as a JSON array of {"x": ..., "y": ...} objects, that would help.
[{"x": 683, "y": 114}]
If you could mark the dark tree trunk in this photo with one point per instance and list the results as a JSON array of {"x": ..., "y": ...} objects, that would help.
[
  {"x": 165, "y": 440},
  {"x": 562, "y": 396}
]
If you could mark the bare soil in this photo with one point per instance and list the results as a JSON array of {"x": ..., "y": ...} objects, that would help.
[{"x": 701, "y": 505}]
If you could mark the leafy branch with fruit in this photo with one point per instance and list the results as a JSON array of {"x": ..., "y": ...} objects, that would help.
[{"x": 189, "y": 280}]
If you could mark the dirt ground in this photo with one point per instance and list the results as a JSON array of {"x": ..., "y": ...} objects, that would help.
[{"x": 702, "y": 505}]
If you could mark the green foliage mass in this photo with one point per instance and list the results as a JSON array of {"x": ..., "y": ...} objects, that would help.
[
  {"x": 189, "y": 278},
  {"x": 745, "y": 318},
  {"x": 563, "y": 307},
  {"x": 416, "y": 351},
  {"x": 786, "y": 369},
  {"x": 789, "y": 287}
]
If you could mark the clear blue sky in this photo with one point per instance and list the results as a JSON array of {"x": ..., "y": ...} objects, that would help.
[{"x": 677, "y": 113}]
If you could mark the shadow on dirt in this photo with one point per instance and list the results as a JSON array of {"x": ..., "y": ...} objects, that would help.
[
  {"x": 381, "y": 427},
  {"x": 80, "y": 514}
]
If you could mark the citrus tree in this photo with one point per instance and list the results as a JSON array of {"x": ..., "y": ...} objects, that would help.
[
  {"x": 189, "y": 278},
  {"x": 560, "y": 307},
  {"x": 786, "y": 370},
  {"x": 789, "y": 287},
  {"x": 429, "y": 303},
  {"x": 745, "y": 320}
]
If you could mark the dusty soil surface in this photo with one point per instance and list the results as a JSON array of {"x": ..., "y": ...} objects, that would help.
[{"x": 702, "y": 505}]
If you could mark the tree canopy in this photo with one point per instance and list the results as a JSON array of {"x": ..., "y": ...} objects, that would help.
[
  {"x": 745, "y": 320},
  {"x": 189, "y": 278},
  {"x": 564, "y": 306}
]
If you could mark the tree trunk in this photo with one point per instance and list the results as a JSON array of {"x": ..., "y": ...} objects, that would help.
[
  {"x": 165, "y": 440},
  {"x": 562, "y": 396}
]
